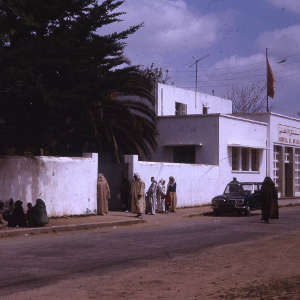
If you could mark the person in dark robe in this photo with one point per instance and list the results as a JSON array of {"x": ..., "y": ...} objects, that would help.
[
  {"x": 18, "y": 217},
  {"x": 274, "y": 214},
  {"x": 267, "y": 197},
  {"x": 29, "y": 214},
  {"x": 2, "y": 209},
  {"x": 38, "y": 214},
  {"x": 9, "y": 209}
]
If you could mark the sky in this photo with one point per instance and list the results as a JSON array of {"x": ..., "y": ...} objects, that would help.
[{"x": 232, "y": 35}]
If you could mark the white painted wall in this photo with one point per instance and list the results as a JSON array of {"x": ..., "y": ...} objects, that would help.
[
  {"x": 239, "y": 131},
  {"x": 167, "y": 95},
  {"x": 188, "y": 130},
  {"x": 68, "y": 185},
  {"x": 275, "y": 120},
  {"x": 196, "y": 184}
]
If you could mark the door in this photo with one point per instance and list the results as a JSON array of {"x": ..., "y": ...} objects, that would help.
[{"x": 288, "y": 168}]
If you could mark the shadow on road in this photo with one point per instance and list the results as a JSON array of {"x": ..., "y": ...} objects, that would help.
[{"x": 229, "y": 214}]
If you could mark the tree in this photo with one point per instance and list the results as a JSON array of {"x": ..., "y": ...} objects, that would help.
[
  {"x": 248, "y": 99},
  {"x": 157, "y": 74},
  {"x": 61, "y": 80}
]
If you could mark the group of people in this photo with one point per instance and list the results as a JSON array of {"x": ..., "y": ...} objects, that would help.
[
  {"x": 157, "y": 198},
  {"x": 269, "y": 197},
  {"x": 12, "y": 213}
]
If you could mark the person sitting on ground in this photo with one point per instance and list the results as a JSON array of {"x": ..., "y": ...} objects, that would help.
[
  {"x": 9, "y": 209},
  {"x": 29, "y": 214},
  {"x": 2, "y": 209},
  {"x": 38, "y": 214},
  {"x": 17, "y": 218}
]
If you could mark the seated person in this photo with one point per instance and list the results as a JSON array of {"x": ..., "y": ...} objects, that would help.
[
  {"x": 17, "y": 218},
  {"x": 9, "y": 208},
  {"x": 29, "y": 214},
  {"x": 1, "y": 212},
  {"x": 38, "y": 214}
]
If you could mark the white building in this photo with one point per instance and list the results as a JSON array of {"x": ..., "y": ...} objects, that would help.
[
  {"x": 171, "y": 100},
  {"x": 204, "y": 146},
  {"x": 283, "y": 153}
]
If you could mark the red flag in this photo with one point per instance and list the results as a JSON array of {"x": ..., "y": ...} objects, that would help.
[{"x": 270, "y": 81}]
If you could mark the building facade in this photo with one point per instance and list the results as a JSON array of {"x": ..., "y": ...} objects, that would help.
[
  {"x": 172, "y": 100},
  {"x": 283, "y": 154},
  {"x": 199, "y": 132}
]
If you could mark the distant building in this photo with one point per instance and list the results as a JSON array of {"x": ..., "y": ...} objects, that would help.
[{"x": 204, "y": 145}]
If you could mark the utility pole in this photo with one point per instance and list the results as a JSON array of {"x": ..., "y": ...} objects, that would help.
[
  {"x": 196, "y": 75},
  {"x": 267, "y": 81}
]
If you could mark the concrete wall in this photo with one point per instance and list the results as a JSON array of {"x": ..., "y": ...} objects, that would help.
[
  {"x": 68, "y": 185},
  {"x": 196, "y": 184},
  {"x": 188, "y": 130},
  {"x": 167, "y": 95}
]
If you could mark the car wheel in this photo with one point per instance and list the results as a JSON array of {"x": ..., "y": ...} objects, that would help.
[
  {"x": 247, "y": 211},
  {"x": 216, "y": 212}
]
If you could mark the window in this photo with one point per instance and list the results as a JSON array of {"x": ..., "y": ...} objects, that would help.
[
  {"x": 180, "y": 109},
  {"x": 245, "y": 159},
  {"x": 254, "y": 159},
  {"x": 235, "y": 159},
  {"x": 184, "y": 154}
]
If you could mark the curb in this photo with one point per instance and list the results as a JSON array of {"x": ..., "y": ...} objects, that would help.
[
  {"x": 73, "y": 227},
  {"x": 203, "y": 213}
]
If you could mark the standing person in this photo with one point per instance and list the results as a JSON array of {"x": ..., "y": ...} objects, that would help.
[
  {"x": 171, "y": 192},
  {"x": 125, "y": 194},
  {"x": 274, "y": 214},
  {"x": 151, "y": 196},
  {"x": 267, "y": 197},
  {"x": 137, "y": 195},
  {"x": 103, "y": 195},
  {"x": 160, "y": 196}
]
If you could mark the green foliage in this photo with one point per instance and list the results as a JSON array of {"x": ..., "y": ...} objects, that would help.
[
  {"x": 157, "y": 74},
  {"x": 62, "y": 82}
]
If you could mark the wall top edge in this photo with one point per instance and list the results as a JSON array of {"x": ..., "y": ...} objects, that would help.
[{"x": 230, "y": 116}]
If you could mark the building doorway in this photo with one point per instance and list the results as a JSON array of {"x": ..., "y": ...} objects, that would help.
[{"x": 289, "y": 173}]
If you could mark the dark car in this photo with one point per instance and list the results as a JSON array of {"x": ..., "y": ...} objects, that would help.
[{"x": 238, "y": 196}]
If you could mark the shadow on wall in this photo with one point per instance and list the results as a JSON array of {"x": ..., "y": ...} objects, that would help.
[
  {"x": 113, "y": 173},
  {"x": 20, "y": 178}
]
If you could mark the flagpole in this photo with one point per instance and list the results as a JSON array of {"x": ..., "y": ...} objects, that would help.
[{"x": 267, "y": 80}]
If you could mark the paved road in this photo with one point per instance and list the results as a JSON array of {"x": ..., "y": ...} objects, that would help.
[{"x": 35, "y": 261}]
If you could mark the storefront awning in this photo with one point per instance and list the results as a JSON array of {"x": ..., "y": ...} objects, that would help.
[{"x": 242, "y": 145}]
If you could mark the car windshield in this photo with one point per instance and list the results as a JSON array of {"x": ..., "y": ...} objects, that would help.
[
  {"x": 248, "y": 188},
  {"x": 233, "y": 188}
]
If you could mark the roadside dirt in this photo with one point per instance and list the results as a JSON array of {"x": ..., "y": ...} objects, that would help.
[{"x": 268, "y": 268}]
